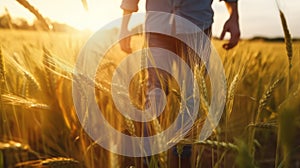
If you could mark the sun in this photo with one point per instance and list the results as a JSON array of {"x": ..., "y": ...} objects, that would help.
[{"x": 98, "y": 15}]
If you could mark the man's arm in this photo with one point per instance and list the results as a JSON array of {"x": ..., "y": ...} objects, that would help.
[
  {"x": 231, "y": 26},
  {"x": 125, "y": 42},
  {"x": 128, "y": 6}
]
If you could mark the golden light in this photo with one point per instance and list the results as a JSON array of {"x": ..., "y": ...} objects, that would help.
[{"x": 71, "y": 12}]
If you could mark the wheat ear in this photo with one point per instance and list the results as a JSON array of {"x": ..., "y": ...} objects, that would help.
[{"x": 2, "y": 72}]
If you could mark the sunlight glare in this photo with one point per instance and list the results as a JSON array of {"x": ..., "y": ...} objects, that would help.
[{"x": 98, "y": 15}]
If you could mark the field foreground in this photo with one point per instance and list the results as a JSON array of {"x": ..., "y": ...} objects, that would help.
[{"x": 39, "y": 127}]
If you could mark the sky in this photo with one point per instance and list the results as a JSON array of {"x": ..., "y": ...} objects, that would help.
[{"x": 257, "y": 17}]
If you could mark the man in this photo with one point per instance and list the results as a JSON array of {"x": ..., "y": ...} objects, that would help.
[
  {"x": 203, "y": 17},
  {"x": 199, "y": 12}
]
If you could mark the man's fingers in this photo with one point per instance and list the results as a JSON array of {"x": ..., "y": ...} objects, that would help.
[
  {"x": 234, "y": 39},
  {"x": 225, "y": 46},
  {"x": 232, "y": 43},
  {"x": 223, "y": 34}
]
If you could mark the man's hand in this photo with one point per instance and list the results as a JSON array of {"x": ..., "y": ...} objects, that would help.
[
  {"x": 231, "y": 26},
  {"x": 125, "y": 42}
]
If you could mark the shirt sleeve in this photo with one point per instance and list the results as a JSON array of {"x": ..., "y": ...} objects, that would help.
[{"x": 130, "y": 5}]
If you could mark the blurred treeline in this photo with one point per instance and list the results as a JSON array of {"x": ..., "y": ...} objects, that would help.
[{"x": 7, "y": 22}]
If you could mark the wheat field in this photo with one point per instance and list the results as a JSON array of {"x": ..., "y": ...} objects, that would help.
[{"x": 39, "y": 127}]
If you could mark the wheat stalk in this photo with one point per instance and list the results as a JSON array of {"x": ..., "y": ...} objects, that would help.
[
  {"x": 62, "y": 162},
  {"x": 287, "y": 39},
  {"x": 266, "y": 96},
  {"x": 200, "y": 73},
  {"x": 20, "y": 101},
  {"x": 162, "y": 157},
  {"x": 52, "y": 63},
  {"x": 231, "y": 93},
  {"x": 213, "y": 144},
  {"x": 263, "y": 125},
  {"x": 48, "y": 62},
  {"x": 130, "y": 127},
  {"x": 289, "y": 50},
  {"x": 58, "y": 162},
  {"x": 2, "y": 69},
  {"x": 12, "y": 145},
  {"x": 28, "y": 75},
  {"x": 262, "y": 104},
  {"x": 34, "y": 11}
]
